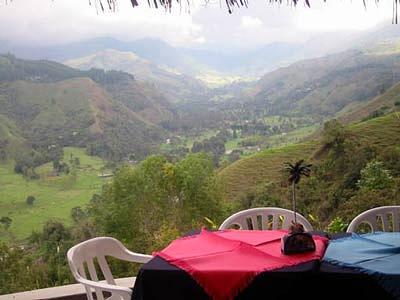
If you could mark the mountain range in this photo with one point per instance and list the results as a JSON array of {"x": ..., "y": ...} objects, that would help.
[
  {"x": 197, "y": 62},
  {"x": 176, "y": 86},
  {"x": 324, "y": 86}
]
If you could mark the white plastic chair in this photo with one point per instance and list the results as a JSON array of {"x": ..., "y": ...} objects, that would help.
[
  {"x": 81, "y": 257},
  {"x": 265, "y": 218},
  {"x": 383, "y": 216}
]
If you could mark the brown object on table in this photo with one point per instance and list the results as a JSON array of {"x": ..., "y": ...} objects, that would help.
[
  {"x": 297, "y": 241},
  {"x": 296, "y": 228}
]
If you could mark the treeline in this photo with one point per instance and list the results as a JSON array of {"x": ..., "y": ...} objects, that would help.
[
  {"x": 12, "y": 68},
  {"x": 27, "y": 160},
  {"x": 214, "y": 145},
  {"x": 122, "y": 139}
]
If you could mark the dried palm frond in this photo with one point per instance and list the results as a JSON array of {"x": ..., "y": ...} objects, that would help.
[{"x": 230, "y": 4}]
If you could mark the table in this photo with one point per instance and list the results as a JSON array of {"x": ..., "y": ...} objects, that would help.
[
  {"x": 159, "y": 279},
  {"x": 366, "y": 266}
]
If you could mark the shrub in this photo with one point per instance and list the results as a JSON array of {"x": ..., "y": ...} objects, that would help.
[
  {"x": 6, "y": 222},
  {"x": 375, "y": 177},
  {"x": 337, "y": 225},
  {"x": 30, "y": 200}
]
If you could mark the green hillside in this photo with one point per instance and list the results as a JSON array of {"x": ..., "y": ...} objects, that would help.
[
  {"x": 108, "y": 112},
  {"x": 379, "y": 105},
  {"x": 245, "y": 174},
  {"x": 55, "y": 195},
  {"x": 381, "y": 132},
  {"x": 10, "y": 137},
  {"x": 325, "y": 86}
]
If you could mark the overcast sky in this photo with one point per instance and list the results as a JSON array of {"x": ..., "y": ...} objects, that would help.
[{"x": 45, "y": 22}]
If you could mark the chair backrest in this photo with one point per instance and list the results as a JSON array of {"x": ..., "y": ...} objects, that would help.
[
  {"x": 81, "y": 259},
  {"x": 264, "y": 218},
  {"x": 384, "y": 218}
]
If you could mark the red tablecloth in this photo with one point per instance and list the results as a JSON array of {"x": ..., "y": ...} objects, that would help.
[{"x": 225, "y": 262}]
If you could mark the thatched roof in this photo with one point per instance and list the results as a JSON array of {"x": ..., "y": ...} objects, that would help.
[{"x": 229, "y": 4}]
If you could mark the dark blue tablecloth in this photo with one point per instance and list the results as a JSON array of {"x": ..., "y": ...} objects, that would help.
[{"x": 377, "y": 255}]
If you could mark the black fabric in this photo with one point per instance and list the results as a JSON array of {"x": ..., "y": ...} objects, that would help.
[
  {"x": 344, "y": 282},
  {"x": 159, "y": 280}
]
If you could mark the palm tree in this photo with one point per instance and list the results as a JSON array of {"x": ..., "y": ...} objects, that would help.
[{"x": 296, "y": 172}]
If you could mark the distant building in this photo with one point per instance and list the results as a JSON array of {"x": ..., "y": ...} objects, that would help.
[{"x": 105, "y": 175}]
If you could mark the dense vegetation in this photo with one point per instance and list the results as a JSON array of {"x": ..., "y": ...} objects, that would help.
[
  {"x": 144, "y": 206},
  {"x": 354, "y": 168},
  {"x": 148, "y": 205}
]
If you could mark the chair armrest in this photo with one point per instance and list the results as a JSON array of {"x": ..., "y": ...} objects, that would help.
[
  {"x": 124, "y": 292},
  {"x": 138, "y": 257}
]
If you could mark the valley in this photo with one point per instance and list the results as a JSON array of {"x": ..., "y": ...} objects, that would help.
[{"x": 115, "y": 107}]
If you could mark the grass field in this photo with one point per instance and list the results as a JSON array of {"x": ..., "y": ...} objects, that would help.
[
  {"x": 246, "y": 173},
  {"x": 275, "y": 141},
  {"x": 292, "y": 137},
  {"x": 55, "y": 196}
]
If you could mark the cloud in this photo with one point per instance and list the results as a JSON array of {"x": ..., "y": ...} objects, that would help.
[
  {"x": 42, "y": 22},
  {"x": 200, "y": 40},
  {"x": 62, "y": 21},
  {"x": 343, "y": 15},
  {"x": 251, "y": 22}
]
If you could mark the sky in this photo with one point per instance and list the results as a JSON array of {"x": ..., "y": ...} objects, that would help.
[{"x": 50, "y": 22}]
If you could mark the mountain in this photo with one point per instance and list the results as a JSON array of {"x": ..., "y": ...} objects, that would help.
[
  {"x": 154, "y": 50},
  {"x": 324, "y": 86},
  {"x": 111, "y": 59},
  {"x": 46, "y": 103},
  {"x": 193, "y": 62},
  {"x": 177, "y": 87}
]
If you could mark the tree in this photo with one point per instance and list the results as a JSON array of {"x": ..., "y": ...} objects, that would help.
[
  {"x": 157, "y": 193},
  {"x": 77, "y": 214},
  {"x": 214, "y": 145},
  {"x": 375, "y": 177},
  {"x": 6, "y": 222},
  {"x": 54, "y": 232},
  {"x": 198, "y": 190},
  {"x": 234, "y": 134},
  {"x": 30, "y": 200},
  {"x": 296, "y": 172},
  {"x": 391, "y": 158},
  {"x": 60, "y": 167},
  {"x": 334, "y": 137}
]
